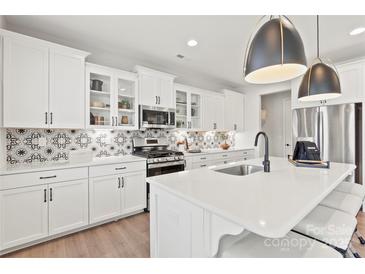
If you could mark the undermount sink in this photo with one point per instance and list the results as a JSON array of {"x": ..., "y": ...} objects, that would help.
[{"x": 241, "y": 170}]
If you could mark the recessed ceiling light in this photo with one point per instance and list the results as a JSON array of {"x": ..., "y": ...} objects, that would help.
[
  {"x": 192, "y": 43},
  {"x": 357, "y": 31}
]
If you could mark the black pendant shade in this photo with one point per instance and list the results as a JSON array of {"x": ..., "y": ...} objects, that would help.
[
  {"x": 320, "y": 82},
  {"x": 275, "y": 54}
]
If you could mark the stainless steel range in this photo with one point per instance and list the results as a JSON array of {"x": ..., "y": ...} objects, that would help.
[{"x": 159, "y": 159}]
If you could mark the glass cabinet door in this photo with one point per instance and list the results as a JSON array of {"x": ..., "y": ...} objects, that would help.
[
  {"x": 100, "y": 99},
  {"x": 126, "y": 103},
  {"x": 195, "y": 111},
  {"x": 181, "y": 109}
]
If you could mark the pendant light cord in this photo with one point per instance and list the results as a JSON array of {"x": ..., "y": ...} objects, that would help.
[{"x": 318, "y": 36}]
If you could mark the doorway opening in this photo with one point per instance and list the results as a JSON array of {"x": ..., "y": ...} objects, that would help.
[{"x": 276, "y": 121}]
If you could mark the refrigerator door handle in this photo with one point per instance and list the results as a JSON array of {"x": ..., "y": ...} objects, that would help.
[{"x": 322, "y": 136}]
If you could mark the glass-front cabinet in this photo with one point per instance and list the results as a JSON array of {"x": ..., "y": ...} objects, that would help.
[
  {"x": 112, "y": 98},
  {"x": 188, "y": 108}
]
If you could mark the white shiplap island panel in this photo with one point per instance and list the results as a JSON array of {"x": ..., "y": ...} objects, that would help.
[{"x": 203, "y": 201}]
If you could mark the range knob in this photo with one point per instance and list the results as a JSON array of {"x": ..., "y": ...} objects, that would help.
[
  {"x": 155, "y": 160},
  {"x": 177, "y": 157}
]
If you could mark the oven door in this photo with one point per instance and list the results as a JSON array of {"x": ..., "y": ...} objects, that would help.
[
  {"x": 165, "y": 168},
  {"x": 154, "y": 117},
  {"x": 160, "y": 169}
]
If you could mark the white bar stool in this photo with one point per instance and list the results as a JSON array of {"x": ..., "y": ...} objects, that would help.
[
  {"x": 352, "y": 188},
  {"x": 329, "y": 226},
  {"x": 293, "y": 245},
  {"x": 350, "y": 203},
  {"x": 342, "y": 201}
]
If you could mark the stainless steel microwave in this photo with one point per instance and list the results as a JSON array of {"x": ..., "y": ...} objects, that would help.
[{"x": 156, "y": 117}]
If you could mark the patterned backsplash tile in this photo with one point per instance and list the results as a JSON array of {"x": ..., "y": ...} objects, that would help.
[{"x": 25, "y": 145}]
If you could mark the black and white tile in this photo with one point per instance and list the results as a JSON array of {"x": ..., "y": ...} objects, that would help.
[{"x": 23, "y": 144}]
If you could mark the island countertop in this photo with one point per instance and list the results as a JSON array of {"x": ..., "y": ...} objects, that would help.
[{"x": 268, "y": 204}]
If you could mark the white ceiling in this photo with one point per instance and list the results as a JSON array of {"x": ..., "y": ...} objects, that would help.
[{"x": 154, "y": 41}]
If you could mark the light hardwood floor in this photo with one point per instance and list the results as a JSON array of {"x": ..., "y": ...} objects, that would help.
[{"x": 125, "y": 238}]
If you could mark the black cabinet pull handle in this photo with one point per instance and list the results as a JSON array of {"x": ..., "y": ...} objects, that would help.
[
  {"x": 122, "y": 182},
  {"x": 51, "y": 117},
  {"x": 50, "y": 195},
  {"x": 203, "y": 158},
  {"x": 118, "y": 182},
  {"x": 47, "y": 177},
  {"x": 46, "y": 117},
  {"x": 45, "y": 195},
  {"x": 120, "y": 168}
]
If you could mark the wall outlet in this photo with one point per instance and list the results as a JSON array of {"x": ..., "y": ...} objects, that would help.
[{"x": 42, "y": 142}]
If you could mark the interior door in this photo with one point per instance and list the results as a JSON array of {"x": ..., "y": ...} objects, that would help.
[
  {"x": 105, "y": 202},
  {"x": 287, "y": 119},
  {"x": 67, "y": 90},
  {"x": 23, "y": 215},
  {"x": 25, "y": 83},
  {"x": 133, "y": 192},
  {"x": 68, "y": 206}
]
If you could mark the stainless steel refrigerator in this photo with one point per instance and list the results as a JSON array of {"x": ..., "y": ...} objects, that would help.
[{"x": 337, "y": 131}]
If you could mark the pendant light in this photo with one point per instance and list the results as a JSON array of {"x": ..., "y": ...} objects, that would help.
[
  {"x": 275, "y": 53},
  {"x": 321, "y": 81}
]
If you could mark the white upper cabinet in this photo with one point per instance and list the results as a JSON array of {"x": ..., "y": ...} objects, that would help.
[
  {"x": 188, "y": 102},
  {"x": 26, "y": 83},
  {"x": 66, "y": 83},
  {"x": 234, "y": 111},
  {"x": 156, "y": 89},
  {"x": 43, "y": 83},
  {"x": 213, "y": 112},
  {"x": 111, "y": 98},
  {"x": 352, "y": 86}
]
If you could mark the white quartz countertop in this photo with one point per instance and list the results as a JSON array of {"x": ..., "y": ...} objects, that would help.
[
  {"x": 26, "y": 168},
  {"x": 268, "y": 204},
  {"x": 213, "y": 151}
]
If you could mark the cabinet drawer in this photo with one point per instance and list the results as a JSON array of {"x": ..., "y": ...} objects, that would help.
[
  {"x": 204, "y": 158},
  {"x": 42, "y": 177},
  {"x": 204, "y": 164},
  {"x": 104, "y": 170}
]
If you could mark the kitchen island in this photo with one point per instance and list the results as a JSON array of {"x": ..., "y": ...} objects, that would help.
[{"x": 192, "y": 210}]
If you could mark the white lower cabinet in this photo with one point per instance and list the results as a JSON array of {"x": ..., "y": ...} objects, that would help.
[
  {"x": 40, "y": 205},
  {"x": 115, "y": 195},
  {"x": 68, "y": 206},
  {"x": 134, "y": 192},
  {"x": 23, "y": 215},
  {"x": 104, "y": 198},
  {"x": 207, "y": 160}
]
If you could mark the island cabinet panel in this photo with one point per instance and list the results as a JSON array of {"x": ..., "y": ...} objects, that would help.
[
  {"x": 68, "y": 206},
  {"x": 23, "y": 215},
  {"x": 176, "y": 227}
]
